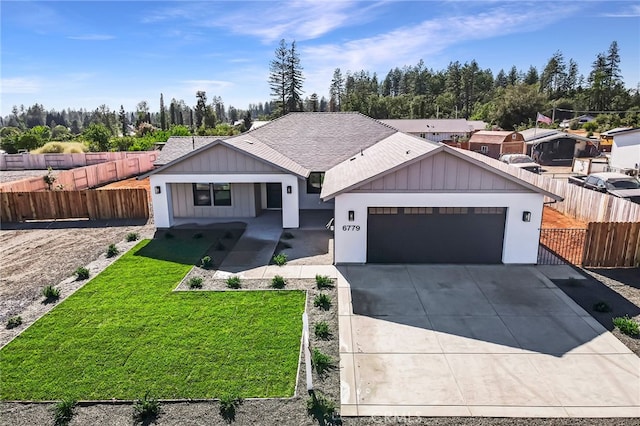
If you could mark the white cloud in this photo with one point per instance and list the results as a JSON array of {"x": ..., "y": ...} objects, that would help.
[
  {"x": 271, "y": 21},
  {"x": 408, "y": 44},
  {"x": 92, "y": 37},
  {"x": 632, "y": 11},
  {"x": 20, "y": 85}
]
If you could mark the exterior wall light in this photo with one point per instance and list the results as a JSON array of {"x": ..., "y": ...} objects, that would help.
[
  {"x": 526, "y": 216},
  {"x": 157, "y": 189},
  {"x": 289, "y": 189},
  {"x": 352, "y": 216}
]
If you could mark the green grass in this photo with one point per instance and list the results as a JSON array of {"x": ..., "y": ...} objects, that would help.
[{"x": 126, "y": 333}]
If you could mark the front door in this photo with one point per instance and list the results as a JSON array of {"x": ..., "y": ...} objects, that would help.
[{"x": 274, "y": 195}]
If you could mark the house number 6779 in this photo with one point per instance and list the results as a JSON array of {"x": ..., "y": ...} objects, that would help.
[{"x": 351, "y": 227}]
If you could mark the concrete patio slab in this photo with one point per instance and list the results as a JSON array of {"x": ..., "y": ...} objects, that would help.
[
  {"x": 498, "y": 341},
  {"x": 560, "y": 272},
  {"x": 470, "y": 334}
]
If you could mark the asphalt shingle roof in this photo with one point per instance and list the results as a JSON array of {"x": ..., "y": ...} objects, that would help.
[
  {"x": 428, "y": 125},
  {"x": 318, "y": 141},
  {"x": 179, "y": 146}
]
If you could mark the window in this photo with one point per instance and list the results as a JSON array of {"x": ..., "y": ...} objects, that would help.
[
  {"x": 201, "y": 194},
  {"x": 314, "y": 182},
  {"x": 484, "y": 149},
  {"x": 221, "y": 194}
]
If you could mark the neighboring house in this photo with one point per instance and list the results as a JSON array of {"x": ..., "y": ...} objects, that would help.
[
  {"x": 395, "y": 197},
  {"x": 494, "y": 143},
  {"x": 255, "y": 124},
  {"x": 580, "y": 120},
  {"x": 554, "y": 147},
  {"x": 625, "y": 152},
  {"x": 436, "y": 130},
  {"x": 606, "y": 138}
]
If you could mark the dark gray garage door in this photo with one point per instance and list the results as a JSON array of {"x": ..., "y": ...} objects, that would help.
[{"x": 435, "y": 234}]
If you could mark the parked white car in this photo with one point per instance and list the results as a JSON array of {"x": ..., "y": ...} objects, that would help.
[{"x": 522, "y": 161}]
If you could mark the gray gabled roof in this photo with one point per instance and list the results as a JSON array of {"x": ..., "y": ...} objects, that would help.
[
  {"x": 534, "y": 136},
  {"x": 399, "y": 151},
  {"x": 618, "y": 130},
  {"x": 383, "y": 157},
  {"x": 179, "y": 146},
  {"x": 319, "y": 140},
  {"x": 429, "y": 125},
  {"x": 247, "y": 145}
]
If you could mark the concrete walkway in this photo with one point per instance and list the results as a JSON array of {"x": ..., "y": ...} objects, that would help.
[{"x": 497, "y": 341}]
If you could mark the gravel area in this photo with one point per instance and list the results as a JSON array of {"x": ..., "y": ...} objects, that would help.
[{"x": 11, "y": 175}]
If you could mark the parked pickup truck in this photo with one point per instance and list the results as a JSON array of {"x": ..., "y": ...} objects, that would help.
[{"x": 616, "y": 184}]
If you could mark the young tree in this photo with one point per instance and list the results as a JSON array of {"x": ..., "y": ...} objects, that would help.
[{"x": 142, "y": 113}]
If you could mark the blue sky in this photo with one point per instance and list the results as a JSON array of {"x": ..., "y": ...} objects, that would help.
[{"x": 82, "y": 54}]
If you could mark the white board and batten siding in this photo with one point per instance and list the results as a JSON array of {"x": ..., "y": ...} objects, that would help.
[
  {"x": 442, "y": 180},
  {"x": 243, "y": 202},
  {"x": 442, "y": 172},
  {"x": 221, "y": 159}
]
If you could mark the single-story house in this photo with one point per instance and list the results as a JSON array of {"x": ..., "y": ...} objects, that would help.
[
  {"x": 554, "y": 147},
  {"x": 436, "y": 130},
  {"x": 579, "y": 121},
  {"x": 606, "y": 138},
  {"x": 395, "y": 198},
  {"x": 494, "y": 143},
  {"x": 625, "y": 152}
]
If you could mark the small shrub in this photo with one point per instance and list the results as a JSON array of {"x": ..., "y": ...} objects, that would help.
[
  {"x": 81, "y": 273},
  {"x": 112, "y": 250},
  {"x": 323, "y": 281},
  {"x": 278, "y": 282},
  {"x": 321, "y": 362},
  {"x": 146, "y": 408},
  {"x": 280, "y": 259},
  {"x": 233, "y": 282},
  {"x": 50, "y": 292},
  {"x": 321, "y": 330},
  {"x": 601, "y": 307},
  {"x": 206, "y": 262},
  {"x": 195, "y": 282},
  {"x": 573, "y": 282},
  {"x": 322, "y": 301},
  {"x": 321, "y": 408},
  {"x": 228, "y": 405},
  {"x": 49, "y": 178},
  {"x": 198, "y": 235},
  {"x": 168, "y": 235},
  {"x": 220, "y": 246},
  {"x": 132, "y": 236},
  {"x": 627, "y": 325},
  {"x": 14, "y": 322},
  {"x": 287, "y": 235},
  {"x": 63, "y": 412}
]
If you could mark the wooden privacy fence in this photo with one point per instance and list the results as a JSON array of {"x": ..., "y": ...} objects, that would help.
[
  {"x": 91, "y": 204},
  {"x": 68, "y": 161},
  {"x": 611, "y": 244},
  {"x": 85, "y": 177},
  {"x": 580, "y": 203},
  {"x": 601, "y": 245}
]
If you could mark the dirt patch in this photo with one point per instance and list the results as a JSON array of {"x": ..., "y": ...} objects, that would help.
[
  {"x": 13, "y": 175},
  {"x": 554, "y": 219},
  {"x": 33, "y": 258}
]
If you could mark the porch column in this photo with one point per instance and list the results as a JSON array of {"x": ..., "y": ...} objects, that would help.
[
  {"x": 290, "y": 204},
  {"x": 161, "y": 202}
]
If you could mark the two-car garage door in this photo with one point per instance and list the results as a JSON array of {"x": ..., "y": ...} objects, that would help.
[{"x": 435, "y": 234}]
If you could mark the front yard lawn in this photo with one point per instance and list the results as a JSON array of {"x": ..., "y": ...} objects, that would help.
[{"x": 125, "y": 333}]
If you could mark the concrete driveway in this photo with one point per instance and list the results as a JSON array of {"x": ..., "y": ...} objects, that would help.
[{"x": 503, "y": 341}]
